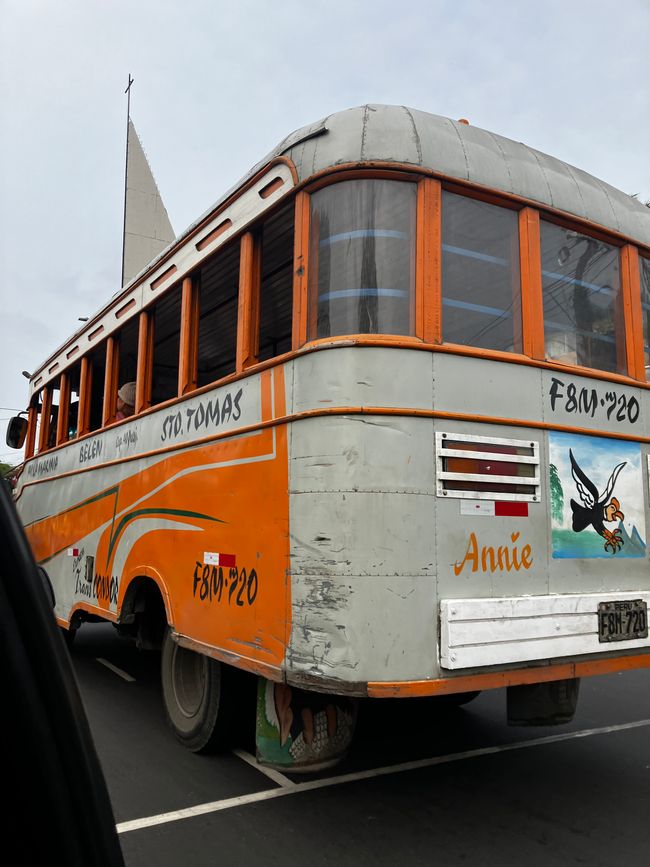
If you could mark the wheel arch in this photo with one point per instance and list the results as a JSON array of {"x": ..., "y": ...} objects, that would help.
[{"x": 142, "y": 580}]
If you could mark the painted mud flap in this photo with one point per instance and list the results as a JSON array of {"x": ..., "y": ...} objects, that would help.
[{"x": 298, "y": 730}]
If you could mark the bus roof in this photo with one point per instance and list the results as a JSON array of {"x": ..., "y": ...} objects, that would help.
[{"x": 453, "y": 149}]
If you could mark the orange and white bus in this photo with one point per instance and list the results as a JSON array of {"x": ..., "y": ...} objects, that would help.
[{"x": 390, "y": 436}]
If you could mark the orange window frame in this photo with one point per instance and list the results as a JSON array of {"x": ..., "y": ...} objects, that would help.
[
  {"x": 248, "y": 302},
  {"x": 111, "y": 380},
  {"x": 46, "y": 412},
  {"x": 145, "y": 362},
  {"x": 188, "y": 360},
  {"x": 64, "y": 409}
]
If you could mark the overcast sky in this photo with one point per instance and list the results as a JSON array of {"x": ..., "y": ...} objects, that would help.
[{"x": 219, "y": 82}]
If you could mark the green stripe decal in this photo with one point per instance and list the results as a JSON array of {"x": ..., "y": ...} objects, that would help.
[{"x": 139, "y": 512}]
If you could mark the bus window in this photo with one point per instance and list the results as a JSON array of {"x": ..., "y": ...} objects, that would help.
[
  {"x": 127, "y": 352},
  {"x": 166, "y": 318},
  {"x": 74, "y": 378},
  {"x": 98, "y": 365},
  {"x": 644, "y": 266},
  {"x": 218, "y": 282},
  {"x": 580, "y": 286},
  {"x": 481, "y": 297},
  {"x": 362, "y": 255},
  {"x": 276, "y": 289}
]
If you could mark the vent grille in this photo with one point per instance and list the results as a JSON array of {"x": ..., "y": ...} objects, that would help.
[{"x": 487, "y": 468}]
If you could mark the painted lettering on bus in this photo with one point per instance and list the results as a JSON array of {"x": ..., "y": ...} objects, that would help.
[
  {"x": 90, "y": 450},
  {"x": 126, "y": 439},
  {"x": 43, "y": 467},
  {"x": 489, "y": 559},
  {"x": 207, "y": 415},
  {"x": 103, "y": 588},
  {"x": 214, "y": 584},
  {"x": 587, "y": 401},
  {"x": 77, "y": 565}
]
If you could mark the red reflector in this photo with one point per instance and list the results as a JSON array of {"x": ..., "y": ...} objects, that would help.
[{"x": 511, "y": 510}]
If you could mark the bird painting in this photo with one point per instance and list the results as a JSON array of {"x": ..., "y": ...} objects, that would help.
[{"x": 597, "y": 509}]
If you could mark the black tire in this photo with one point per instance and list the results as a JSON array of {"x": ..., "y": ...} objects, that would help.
[{"x": 192, "y": 688}]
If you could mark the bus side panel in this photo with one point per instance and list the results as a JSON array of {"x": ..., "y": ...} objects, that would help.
[{"x": 208, "y": 523}]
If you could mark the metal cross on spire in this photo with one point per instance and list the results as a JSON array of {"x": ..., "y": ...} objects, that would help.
[
  {"x": 126, "y": 169},
  {"x": 128, "y": 93}
]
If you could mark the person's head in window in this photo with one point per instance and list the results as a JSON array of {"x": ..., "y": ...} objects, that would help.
[{"x": 125, "y": 400}]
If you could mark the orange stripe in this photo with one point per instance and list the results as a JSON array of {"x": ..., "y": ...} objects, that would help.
[
  {"x": 248, "y": 302},
  {"x": 111, "y": 378},
  {"x": 496, "y": 680},
  {"x": 189, "y": 338},
  {"x": 428, "y": 269},
  {"x": 531, "y": 283},
  {"x": 300, "y": 270},
  {"x": 145, "y": 361},
  {"x": 64, "y": 408},
  {"x": 164, "y": 277},
  {"x": 85, "y": 387},
  {"x": 631, "y": 289},
  {"x": 46, "y": 411}
]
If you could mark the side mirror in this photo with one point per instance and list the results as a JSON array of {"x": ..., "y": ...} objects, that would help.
[{"x": 16, "y": 432}]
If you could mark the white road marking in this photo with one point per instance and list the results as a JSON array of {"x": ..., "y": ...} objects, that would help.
[
  {"x": 115, "y": 669},
  {"x": 276, "y": 776},
  {"x": 311, "y": 785}
]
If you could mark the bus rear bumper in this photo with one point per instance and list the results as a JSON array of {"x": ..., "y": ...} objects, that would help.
[{"x": 495, "y": 680}]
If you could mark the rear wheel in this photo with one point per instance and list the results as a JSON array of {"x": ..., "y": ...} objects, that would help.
[{"x": 192, "y": 687}]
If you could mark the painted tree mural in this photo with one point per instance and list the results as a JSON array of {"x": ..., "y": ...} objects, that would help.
[{"x": 557, "y": 495}]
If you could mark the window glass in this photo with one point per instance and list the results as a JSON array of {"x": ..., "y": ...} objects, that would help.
[
  {"x": 218, "y": 282},
  {"x": 166, "y": 320},
  {"x": 39, "y": 420},
  {"x": 74, "y": 378},
  {"x": 580, "y": 285},
  {"x": 276, "y": 289},
  {"x": 644, "y": 265},
  {"x": 481, "y": 290},
  {"x": 97, "y": 360},
  {"x": 127, "y": 351},
  {"x": 362, "y": 254}
]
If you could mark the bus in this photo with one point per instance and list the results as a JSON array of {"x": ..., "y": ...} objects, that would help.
[{"x": 388, "y": 438}]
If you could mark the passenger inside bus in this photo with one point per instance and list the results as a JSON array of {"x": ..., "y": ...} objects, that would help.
[{"x": 125, "y": 401}]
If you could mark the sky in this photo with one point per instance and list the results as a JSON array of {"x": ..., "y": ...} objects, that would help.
[{"x": 218, "y": 83}]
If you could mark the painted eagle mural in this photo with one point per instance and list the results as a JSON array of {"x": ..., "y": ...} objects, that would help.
[{"x": 597, "y": 508}]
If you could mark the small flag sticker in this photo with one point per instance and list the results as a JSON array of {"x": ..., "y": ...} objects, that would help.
[
  {"x": 212, "y": 558},
  {"x": 499, "y": 509},
  {"x": 73, "y": 552}
]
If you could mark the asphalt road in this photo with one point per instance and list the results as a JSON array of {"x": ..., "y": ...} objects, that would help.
[{"x": 422, "y": 785}]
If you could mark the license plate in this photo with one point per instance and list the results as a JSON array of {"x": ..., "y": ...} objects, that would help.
[{"x": 622, "y": 620}]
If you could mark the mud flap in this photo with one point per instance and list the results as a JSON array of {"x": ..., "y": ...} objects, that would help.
[
  {"x": 543, "y": 704},
  {"x": 298, "y": 730}
]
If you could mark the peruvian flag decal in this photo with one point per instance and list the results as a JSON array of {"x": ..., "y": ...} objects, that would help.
[{"x": 213, "y": 558}]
